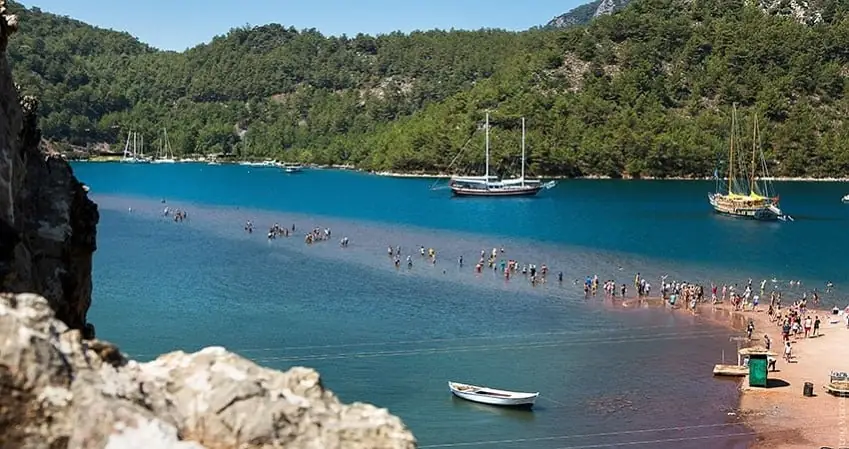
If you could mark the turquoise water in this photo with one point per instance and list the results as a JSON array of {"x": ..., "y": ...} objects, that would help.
[{"x": 395, "y": 337}]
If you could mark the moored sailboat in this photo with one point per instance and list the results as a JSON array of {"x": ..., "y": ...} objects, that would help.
[
  {"x": 165, "y": 155},
  {"x": 747, "y": 196},
  {"x": 490, "y": 185},
  {"x": 134, "y": 153}
]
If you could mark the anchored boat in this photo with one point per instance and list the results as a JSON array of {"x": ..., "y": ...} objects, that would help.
[
  {"x": 291, "y": 167},
  {"x": 489, "y": 185},
  {"x": 492, "y": 396},
  {"x": 745, "y": 195}
]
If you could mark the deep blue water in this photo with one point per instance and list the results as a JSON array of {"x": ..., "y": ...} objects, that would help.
[
  {"x": 670, "y": 220},
  {"x": 395, "y": 337}
]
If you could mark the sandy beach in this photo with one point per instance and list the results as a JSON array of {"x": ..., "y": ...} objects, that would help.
[{"x": 780, "y": 414}]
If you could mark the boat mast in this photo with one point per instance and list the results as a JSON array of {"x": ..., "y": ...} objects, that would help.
[
  {"x": 523, "y": 151},
  {"x": 487, "y": 150},
  {"x": 754, "y": 150},
  {"x": 127, "y": 146},
  {"x": 731, "y": 155},
  {"x": 169, "y": 154}
]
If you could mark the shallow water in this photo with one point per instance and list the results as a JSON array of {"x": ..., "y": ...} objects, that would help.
[{"x": 394, "y": 337}]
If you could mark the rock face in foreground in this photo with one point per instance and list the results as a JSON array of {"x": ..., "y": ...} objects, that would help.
[
  {"x": 47, "y": 223},
  {"x": 61, "y": 391}
]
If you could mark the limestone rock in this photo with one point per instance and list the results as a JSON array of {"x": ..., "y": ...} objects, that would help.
[
  {"x": 607, "y": 7},
  {"x": 47, "y": 222},
  {"x": 61, "y": 391}
]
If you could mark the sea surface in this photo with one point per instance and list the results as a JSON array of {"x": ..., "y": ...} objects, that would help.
[{"x": 609, "y": 376}]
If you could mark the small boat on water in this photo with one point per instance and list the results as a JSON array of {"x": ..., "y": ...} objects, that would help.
[
  {"x": 291, "y": 167},
  {"x": 492, "y": 396},
  {"x": 845, "y": 198}
]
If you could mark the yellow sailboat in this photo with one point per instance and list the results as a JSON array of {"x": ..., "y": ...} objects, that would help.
[{"x": 746, "y": 196}]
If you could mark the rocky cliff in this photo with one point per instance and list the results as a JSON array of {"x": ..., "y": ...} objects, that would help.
[
  {"x": 583, "y": 14},
  {"x": 47, "y": 223},
  {"x": 61, "y": 388},
  {"x": 802, "y": 11}
]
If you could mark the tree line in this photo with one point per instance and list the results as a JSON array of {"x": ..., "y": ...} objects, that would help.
[{"x": 646, "y": 91}]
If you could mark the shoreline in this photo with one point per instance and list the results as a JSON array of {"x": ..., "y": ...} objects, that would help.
[{"x": 428, "y": 175}]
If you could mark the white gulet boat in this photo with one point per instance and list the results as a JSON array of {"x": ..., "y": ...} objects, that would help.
[
  {"x": 492, "y": 396},
  {"x": 489, "y": 185}
]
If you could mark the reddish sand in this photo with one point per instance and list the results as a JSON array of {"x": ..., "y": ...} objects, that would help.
[{"x": 780, "y": 414}]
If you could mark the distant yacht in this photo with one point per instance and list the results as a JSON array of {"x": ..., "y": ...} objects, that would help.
[
  {"x": 165, "y": 154},
  {"x": 489, "y": 185},
  {"x": 845, "y": 199},
  {"x": 291, "y": 167},
  {"x": 134, "y": 149}
]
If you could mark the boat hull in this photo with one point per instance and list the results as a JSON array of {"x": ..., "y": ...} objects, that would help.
[
  {"x": 492, "y": 396},
  {"x": 510, "y": 192},
  {"x": 765, "y": 211}
]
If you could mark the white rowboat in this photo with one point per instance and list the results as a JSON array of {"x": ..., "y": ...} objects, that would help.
[{"x": 492, "y": 396}]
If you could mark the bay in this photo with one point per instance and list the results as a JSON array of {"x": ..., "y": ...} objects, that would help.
[{"x": 394, "y": 337}]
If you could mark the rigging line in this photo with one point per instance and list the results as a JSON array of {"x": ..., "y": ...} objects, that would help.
[
  {"x": 527, "y": 344},
  {"x": 460, "y": 153},
  {"x": 534, "y": 343},
  {"x": 624, "y": 443},
  {"x": 562, "y": 404},
  {"x": 586, "y": 435},
  {"x": 429, "y": 351},
  {"x": 664, "y": 440},
  {"x": 442, "y": 340}
]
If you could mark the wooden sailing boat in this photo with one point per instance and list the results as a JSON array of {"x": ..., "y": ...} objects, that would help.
[
  {"x": 488, "y": 185},
  {"x": 746, "y": 196}
]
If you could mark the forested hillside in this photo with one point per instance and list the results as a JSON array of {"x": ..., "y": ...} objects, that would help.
[
  {"x": 646, "y": 91},
  {"x": 289, "y": 89}
]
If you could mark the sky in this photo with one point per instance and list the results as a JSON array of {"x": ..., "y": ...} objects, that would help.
[{"x": 180, "y": 24}]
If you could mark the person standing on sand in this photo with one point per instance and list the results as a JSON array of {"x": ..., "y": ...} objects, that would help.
[
  {"x": 788, "y": 352},
  {"x": 767, "y": 342},
  {"x": 808, "y": 324},
  {"x": 816, "y": 326}
]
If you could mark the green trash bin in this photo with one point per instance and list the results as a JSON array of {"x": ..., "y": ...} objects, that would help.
[{"x": 758, "y": 370}]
